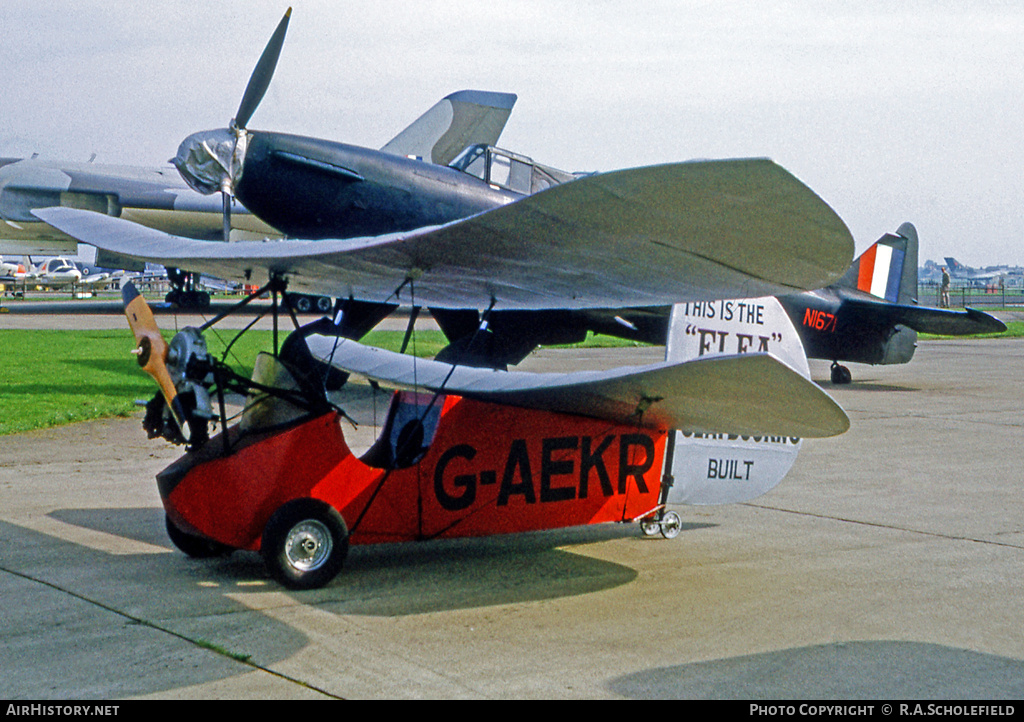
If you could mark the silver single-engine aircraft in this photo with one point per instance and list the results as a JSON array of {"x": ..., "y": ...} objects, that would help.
[{"x": 960, "y": 272}]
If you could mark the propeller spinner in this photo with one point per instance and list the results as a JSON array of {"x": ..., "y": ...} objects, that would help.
[{"x": 211, "y": 161}]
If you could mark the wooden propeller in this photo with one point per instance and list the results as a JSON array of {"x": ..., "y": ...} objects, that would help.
[{"x": 151, "y": 350}]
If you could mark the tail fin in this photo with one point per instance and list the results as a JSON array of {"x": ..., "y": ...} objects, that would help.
[
  {"x": 889, "y": 268},
  {"x": 728, "y": 468},
  {"x": 954, "y": 265},
  {"x": 458, "y": 120}
]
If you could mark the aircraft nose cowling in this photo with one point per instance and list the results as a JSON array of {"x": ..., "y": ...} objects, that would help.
[{"x": 211, "y": 161}]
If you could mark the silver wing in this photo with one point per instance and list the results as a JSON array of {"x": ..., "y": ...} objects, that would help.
[
  {"x": 751, "y": 394},
  {"x": 641, "y": 237}
]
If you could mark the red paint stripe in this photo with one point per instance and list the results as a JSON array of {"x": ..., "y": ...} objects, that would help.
[{"x": 867, "y": 269}]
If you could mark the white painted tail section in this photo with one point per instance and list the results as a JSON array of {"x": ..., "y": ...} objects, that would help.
[{"x": 722, "y": 468}]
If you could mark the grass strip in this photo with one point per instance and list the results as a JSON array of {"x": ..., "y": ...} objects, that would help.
[{"x": 51, "y": 378}]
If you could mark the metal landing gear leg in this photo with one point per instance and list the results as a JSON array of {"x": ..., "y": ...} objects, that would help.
[{"x": 658, "y": 520}]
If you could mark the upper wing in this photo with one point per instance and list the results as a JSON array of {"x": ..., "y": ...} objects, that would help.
[
  {"x": 925, "y": 319},
  {"x": 464, "y": 118},
  {"x": 642, "y": 237},
  {"x": 725, "y": 394}
]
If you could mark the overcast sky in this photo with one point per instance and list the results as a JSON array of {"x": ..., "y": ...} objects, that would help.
[{"x": 891, "y": 112}]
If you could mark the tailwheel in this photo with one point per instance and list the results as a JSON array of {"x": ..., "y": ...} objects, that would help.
[
  {"x": 671, "y": 525},
  {"x": 840, "y": 374},
  {"x": 649, "y": 526},
  {"x": 304, "y": 544},
  {"x": 668, "y": 524}
]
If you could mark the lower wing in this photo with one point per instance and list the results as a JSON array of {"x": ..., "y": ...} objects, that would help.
[{"x": 751, "y": 394}]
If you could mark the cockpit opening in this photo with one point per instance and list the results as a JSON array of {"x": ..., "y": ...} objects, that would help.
[{"x": 507, "y": 170}]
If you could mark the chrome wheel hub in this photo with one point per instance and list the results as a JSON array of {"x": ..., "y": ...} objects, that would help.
[{"x": 308, "y": 545}]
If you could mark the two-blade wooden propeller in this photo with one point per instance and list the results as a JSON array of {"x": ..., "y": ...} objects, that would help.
[{"x": 151, "y": 351}]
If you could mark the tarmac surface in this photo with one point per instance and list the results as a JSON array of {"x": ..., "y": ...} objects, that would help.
[{"x": 885, "y": 566}]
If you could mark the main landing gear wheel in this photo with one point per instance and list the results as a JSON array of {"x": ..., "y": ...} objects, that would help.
[
  {"x": 669, "y": 525},
  {"x": 304, "y": 544},
  {"x": 195, "y": 546},
  {"x": 840, "y": 374}
]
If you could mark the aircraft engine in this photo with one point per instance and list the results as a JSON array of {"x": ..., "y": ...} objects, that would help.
[
  {"x": 190, "y": 369},
  {"x": 188, "y": 362}
]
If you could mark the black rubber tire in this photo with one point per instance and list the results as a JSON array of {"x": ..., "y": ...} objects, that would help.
[
  {"x": 841, "y": 375},
  {"x": 305, "y": 544},
  {"x": 194, "y": 546}
]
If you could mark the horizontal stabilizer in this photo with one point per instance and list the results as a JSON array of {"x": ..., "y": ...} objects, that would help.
[
  {"x": 926, "y": 319},
  {"x": 642, "y": 237},
  {"x": 751, "y": 394}
]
